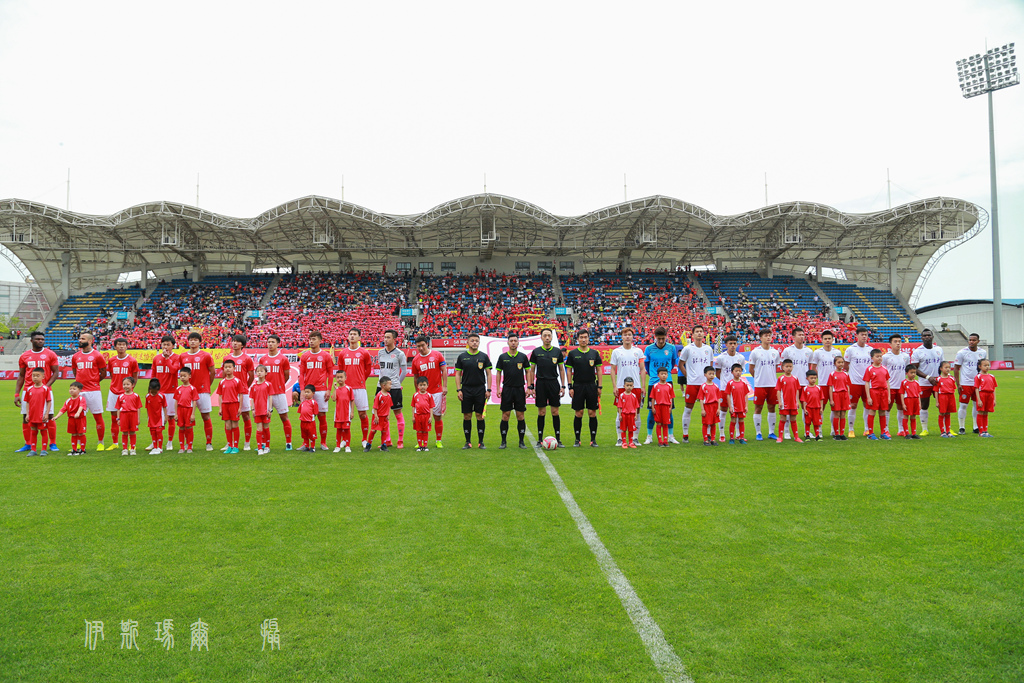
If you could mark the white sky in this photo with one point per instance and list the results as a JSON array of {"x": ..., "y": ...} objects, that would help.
[{"x": 414, "y": 102}]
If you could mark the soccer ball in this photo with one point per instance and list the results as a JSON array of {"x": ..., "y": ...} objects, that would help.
[{"x": 549, "y": 443}]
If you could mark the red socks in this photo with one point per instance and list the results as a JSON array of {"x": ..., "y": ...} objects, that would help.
[
  {"x": 248, "y": 431},
  {"x": 322, "y": 417},
  {"x": 101, "y": 427},
  {"x": 115, "y": 428},
  {"x": 208, "y": 428},
  {"x": 364, "y": 422},
  {"x": 438, "y": 426}
]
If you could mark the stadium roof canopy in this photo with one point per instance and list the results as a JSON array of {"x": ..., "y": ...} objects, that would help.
[{"x": 895, "y": 248}]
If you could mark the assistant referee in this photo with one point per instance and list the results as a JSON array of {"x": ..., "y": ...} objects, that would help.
[
  {"x": 472, "y": 384},
  {"x": 583, "y": 366}
]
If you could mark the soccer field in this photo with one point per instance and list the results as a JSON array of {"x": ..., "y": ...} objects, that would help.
[{"x": 876, "y": 561}]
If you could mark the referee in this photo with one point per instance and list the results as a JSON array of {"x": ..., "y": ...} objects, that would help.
[
  {"x": 472, "y": 384},
  {"x": 547, "y": 382},
  {"x": 511, "y": 388},
  {"x": 583, "y": 367}
]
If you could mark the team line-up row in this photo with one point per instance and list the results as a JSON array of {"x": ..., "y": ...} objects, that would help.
[{"x": 249, "y": 392}]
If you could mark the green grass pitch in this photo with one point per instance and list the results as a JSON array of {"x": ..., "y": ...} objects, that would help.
[{"x": 874, "y": 561}]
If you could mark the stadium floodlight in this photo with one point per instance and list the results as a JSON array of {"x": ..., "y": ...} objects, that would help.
[{"x": 979, "y": 75}]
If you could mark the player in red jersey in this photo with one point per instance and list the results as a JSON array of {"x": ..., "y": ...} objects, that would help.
[
  {"x": 75, "y": 409},
  {"x": 316, "y": 367},
  {"x": 812, "y": 397},
  {"x": 839, "y": 398},
  {"x": 787, "y": 388},
  {"x": 910, "y": 396},
  {"x": 127, "y": 407},
  {"x": 230, "y": 390},
  {"x": 120, "y": 366},
  {"x": 430, "y": 364},
  {"x": 259, "y": 398},
  {"x": 279, "y": 370},
  {"x": 90, "y": 367},
  {"x": 245, "y": 371},
  {"x": 876, "y": 387},
  {"x": 201, "y": 374},
  {"x": 186, "y": 396},
  {"x": 736, "y": 392},
  {"x": 156, "y": 415},
  {"x": 986, "y": 386},
  {"x": 39, "y": 399},
  {"x": 710, "y": 398},
  {"x": 358, "y": 364},
  {"x": 165, "y": 369},
  {"x": 663, "y": 396},
  {"x": 37, "y": 357}
]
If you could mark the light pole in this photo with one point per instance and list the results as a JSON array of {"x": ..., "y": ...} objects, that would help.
[{"x": 982, "y": 74}]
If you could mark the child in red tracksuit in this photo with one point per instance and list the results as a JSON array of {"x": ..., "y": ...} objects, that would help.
[
  {"x": 945, "y": 396},
  {"x": 839, "y": 399},
  {"x": 308, "y": 413},
  {"x": 259, "y": 396},
  {"x": 985, "y": 384},
  {"x": 156, "y": 405},
  {"x": 710, "y": 397},
  {"x": 40, "y": 411},
  {"x": 185, "y": 397},
  {"x": 381, "y": 414},
  {"x": 128, "y": 405},
  {"x": 876, "y": 386},
  {"x": 343, "y": 398},
  {"x": 422, "y": 405},
  {"x": 910, "y": 392},
  {"x": 75, "y": 407},
  {"x": 663, "y": 397},
  {"x": 628, "y": 404},
  {"x": 811, "y": 398},
  {"x": 736, "y": 392}
]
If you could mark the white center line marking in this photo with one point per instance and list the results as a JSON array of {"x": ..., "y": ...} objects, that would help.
[{"x": 664, "y": 657}]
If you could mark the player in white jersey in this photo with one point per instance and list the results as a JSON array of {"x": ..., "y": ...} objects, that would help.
[
  {"x": 928, "y": 359},
  {"x": 693, "y": 359},
  {"x": 965, "y": 369},
  {"x": 723, "y": 371},
  {"x": 895, "y": 360},
  {"x": 823, "y": 361},
  {"x": 858, "y": 358},
  {"x": 764, "y": 360},
  {"x": 627, "y": 362}
]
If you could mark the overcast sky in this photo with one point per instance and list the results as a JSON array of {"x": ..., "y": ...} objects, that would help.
[{"x": 413, "y": 103}]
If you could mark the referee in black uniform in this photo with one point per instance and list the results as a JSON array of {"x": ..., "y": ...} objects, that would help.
[
  {"x": 472, "y": 384},
  {"x": 547, "y": 382},
  {"x": 583, "y": 366},
  {"x": 511, "y": 385}
]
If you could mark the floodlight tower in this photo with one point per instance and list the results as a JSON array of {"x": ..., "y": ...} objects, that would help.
[{"x": 982, "y": 74}]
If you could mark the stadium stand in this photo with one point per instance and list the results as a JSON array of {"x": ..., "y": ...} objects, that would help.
[
  {"x": 487, "y": 303},
  {"x": 94, "y": 312},
  {"x": 878, "y": 309}
]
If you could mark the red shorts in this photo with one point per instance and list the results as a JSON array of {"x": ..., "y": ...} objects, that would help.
[
  {"x": 787, "y": 411},
  {"x": 76, "y": 425},
  {"x": 128, "y": 422},
  {"x": 307, "y": 429},
  {"x": 986, "y": 402},
  {"x": 762, "y": 393},
  {"x": 342, "y": 425},
  {"x": 628, "y": 422},
  {"x": 39, "y": 426},
  {"x": 947, "y": 403},
  {"x": 739, "y": 416},
  {"x": 421, "y": 423},
  {"x": 691, "y": 393},
  {"x": 968, "y": 394},
  {"x": 662, "y": 414},
  {"x": 229, "y": 411},
  {"x": 856, "y": 394},
  {"x": 911, "y": 407},
  {"x": 879, "y": 399},
  {"x": 895, "y": 398},
  {"x": 926, "y": 391},
  {"x": 814, "y": 414},
  {"x": 262, "y": 419},
  {"x": 840, "y": 400},
  {"x": 185, "y": 416}
]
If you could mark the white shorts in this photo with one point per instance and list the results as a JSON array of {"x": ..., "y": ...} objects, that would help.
[
  {"x": 361, "y": 401},
  {"x": 440, "y": 403},
  {"x": 170, "y": 411},
  {"x": 321, "y": 401},
  {"x": 204, "y": 404},
  {"x": 280, "y": 403},
  {"x": 244, "y": 403},
  {"x": 93, "y": 401},
  {"x": 112, "y": 401},
  {"x": 24, "y": 404}
]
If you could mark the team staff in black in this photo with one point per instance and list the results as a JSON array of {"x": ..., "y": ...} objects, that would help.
[
  {"x": 472, "y": 385},
  {"x": 512, "y": 367},
  {"x": 583, "y": 367},
  {"x": 547, "y": 382}
]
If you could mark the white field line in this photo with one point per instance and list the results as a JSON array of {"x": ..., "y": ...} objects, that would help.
[{"x": 664, "y": 657}]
